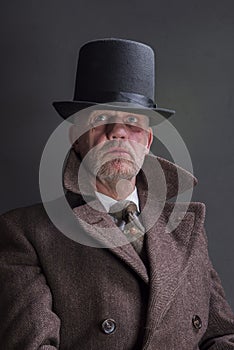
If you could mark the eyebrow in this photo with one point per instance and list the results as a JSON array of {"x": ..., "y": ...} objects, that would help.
[{"x": 113, "y": 114}]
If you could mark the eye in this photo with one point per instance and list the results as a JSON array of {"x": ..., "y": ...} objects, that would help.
[
  {"x": 132, "y": 119},
  {"x": 100, "y": 118}
]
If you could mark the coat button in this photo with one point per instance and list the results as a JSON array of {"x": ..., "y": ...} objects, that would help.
[
  {"x": 197, "y": 322},
  {"x": 108, "y": 326}
]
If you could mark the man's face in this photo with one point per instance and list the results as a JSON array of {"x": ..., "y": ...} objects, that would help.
[{"x": 115, "y": 145}]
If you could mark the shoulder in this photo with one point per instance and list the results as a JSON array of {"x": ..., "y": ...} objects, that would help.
[
  {"x": 28, "y": 227},
  {"x": 24, "y": 216},
  {"x": 23, "y": 212}
]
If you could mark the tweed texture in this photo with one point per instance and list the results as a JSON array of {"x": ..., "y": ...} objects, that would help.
[{"x": 55, "y": 293}]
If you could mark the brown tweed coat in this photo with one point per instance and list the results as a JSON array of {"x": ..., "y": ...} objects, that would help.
[{"x": 56, "y": 293}]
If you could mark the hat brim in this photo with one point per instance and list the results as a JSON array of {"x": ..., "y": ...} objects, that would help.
[{"x": 68, "y": 108}]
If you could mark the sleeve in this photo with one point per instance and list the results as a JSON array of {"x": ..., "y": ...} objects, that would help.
[
  {"x": 26, "y": 317},
  {"x": 220, "y": 331}
]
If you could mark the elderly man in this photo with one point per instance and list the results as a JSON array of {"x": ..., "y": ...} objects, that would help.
[{"x": 125, "y": 281}]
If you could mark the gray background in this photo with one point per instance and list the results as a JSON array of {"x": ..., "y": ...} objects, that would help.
[{"x": 194, "y": 41}]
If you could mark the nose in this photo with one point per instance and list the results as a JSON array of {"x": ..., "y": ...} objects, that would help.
[{"x": 116, "y": 131}]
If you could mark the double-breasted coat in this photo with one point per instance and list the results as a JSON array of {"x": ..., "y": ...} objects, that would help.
[{"x": 57, "y": 293}]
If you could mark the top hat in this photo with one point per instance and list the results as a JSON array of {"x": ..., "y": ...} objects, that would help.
[{"x": 114, "y": 71}]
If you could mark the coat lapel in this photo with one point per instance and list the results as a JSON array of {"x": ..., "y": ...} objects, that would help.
[
  {"x": 168, "y": 252},
  {"x": 169, "y": 255},
  {"x": 105, "y": 234}
]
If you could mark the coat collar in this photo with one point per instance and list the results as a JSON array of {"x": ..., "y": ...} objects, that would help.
[
  {"x": 168, "y": 252},
  {"x": 157, "y": 182}
]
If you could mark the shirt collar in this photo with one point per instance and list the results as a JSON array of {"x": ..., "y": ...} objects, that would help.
[{"x": 107, "y": 201}]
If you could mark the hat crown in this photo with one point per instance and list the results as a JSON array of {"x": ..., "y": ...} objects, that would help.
[
  {"x": 111, "y": 71},
  {"x": 113, "y": 66}
]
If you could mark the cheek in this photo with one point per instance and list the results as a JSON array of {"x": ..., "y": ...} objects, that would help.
[
  {"x": 141, "y": 143},
  {"x": 83, "y": 145},
  {"x": 88, "y": 141},
  {"x": 141, "y": 137},
  {"x": 96, "y": 136}
]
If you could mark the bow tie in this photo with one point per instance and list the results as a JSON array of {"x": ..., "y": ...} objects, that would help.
[{"x": 125, "y": 215}]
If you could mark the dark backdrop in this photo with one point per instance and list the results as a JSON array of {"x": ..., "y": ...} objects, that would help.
[{"x": 194, "y": 41}]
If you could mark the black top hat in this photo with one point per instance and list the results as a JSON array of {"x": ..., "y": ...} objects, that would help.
[{"x": 113, "y": 70}]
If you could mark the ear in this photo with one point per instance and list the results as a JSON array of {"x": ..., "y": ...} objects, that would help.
[
  {"x": 73, "y": 137},
  {"x": 150, "y": 140}
]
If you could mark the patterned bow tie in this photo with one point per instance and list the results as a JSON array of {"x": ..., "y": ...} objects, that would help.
[{"x": 125, "y": 215}]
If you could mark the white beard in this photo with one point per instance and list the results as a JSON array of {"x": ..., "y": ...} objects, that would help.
[{"x": 111, "y": 167}]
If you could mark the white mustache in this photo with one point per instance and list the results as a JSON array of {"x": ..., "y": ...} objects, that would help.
[{"x": 118, "y": 144}]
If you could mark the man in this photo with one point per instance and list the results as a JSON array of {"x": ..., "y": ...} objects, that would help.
[{"x": 125, "y": 280}]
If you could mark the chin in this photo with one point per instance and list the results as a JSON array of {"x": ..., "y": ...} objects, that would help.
[{"x": 117, "y": 169}]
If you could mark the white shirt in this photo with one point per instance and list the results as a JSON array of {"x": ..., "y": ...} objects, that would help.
[{"x": 107, "y": 201}]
